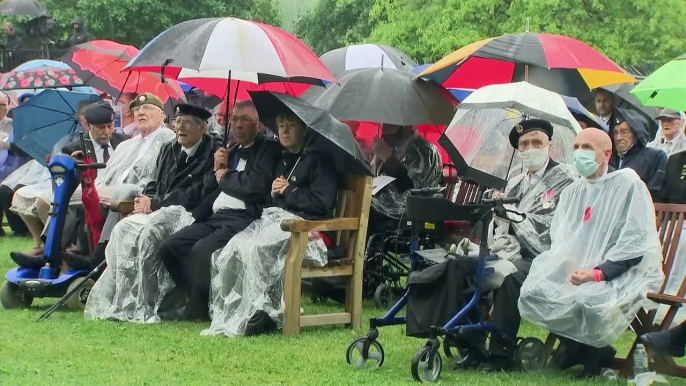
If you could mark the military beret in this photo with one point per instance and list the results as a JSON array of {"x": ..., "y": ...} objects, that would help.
[
  {"x": 194, "y": 110},
  {"x": 99, "y": 113},
  {"x": 146, "y": 99},
  {"x": 529, "y": 125}
]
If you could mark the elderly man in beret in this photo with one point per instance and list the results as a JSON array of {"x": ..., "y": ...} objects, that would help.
[
  {"x": 130, "y": 167},
  {"x": 538, "y": 189}
]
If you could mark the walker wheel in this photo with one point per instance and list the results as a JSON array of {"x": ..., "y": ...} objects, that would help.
[
  {"x": 375, "y": 354},
  {"x": 383, "y": 297},
  {"x": 77, "y": 301},
  {"x": 451, "y": 349},
  {"x": 531, "y": 354},
  {"x": 13, "y": 297},
  {"x": 424, "y": 370}
]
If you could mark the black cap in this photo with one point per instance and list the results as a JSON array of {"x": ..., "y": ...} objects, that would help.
[
  {"x": 194, "y": 110},
  {"x": 529, "y": 125},
  {"x": 99, "y": 113}
]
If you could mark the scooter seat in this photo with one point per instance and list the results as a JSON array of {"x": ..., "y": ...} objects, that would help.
[{"x": 27, "y": 261}]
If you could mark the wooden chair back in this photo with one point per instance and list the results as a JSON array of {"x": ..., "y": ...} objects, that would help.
[{"x": 670, "y": 221}]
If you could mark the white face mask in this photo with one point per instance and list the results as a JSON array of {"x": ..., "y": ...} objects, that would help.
[{"x": 534, "y": 159}]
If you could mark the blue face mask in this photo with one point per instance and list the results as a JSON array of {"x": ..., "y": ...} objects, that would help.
[{"x": 584, "y": 162}]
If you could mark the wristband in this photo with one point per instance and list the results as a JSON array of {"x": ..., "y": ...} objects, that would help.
[{"x": 598, "y": 274}]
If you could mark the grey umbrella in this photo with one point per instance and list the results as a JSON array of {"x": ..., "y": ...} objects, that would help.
[
  {"x": 367, "y": 56},
  {"x": 337, "y": 138},
  {"x": 23, "y": 8},
  {"x": 384, "y": 95}
]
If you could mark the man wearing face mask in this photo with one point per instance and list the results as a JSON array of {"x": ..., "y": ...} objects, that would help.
[
  {"x": 604, "y": 257},
  {"x": 630, "y": 133},
  {"x": 538, "y": 190}
]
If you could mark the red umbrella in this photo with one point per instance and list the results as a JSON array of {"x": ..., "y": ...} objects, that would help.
[
  {"x": 100, "y": 63},
  {"x": 239, "y": 90},
  {"x": 40, "y": 78}
]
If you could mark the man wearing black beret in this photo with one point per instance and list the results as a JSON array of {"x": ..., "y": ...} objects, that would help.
[
  {"x": 538, "y": 189},
  {"x": 101, "y": 140}
]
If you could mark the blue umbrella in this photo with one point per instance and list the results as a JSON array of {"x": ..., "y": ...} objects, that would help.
[{"x": 44, "y": 119}]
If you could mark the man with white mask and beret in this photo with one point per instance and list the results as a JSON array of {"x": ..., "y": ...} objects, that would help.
[
  {"x": 538, "y": 189},
  {"x": 604, "y": 257}
]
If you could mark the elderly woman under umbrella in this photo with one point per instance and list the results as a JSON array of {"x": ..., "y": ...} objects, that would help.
[{"x": 247, "y": 274}]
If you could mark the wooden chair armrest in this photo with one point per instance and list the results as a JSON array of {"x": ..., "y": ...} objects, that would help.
[
  {"x": 337, "y": 224},
  {"x": 667, "y": 299}
]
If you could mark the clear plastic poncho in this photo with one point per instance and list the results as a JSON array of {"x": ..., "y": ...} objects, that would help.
[
  {"x": 135, "y": 281},
  {"x": 29, "y": 173},
  {"x": 612, "y": 219},
  {"x": 424, "y": 167},
  {"x": 674, "y": 280},
  {"x": 538, "y": 200},
  {"x": 248, "y": 274}
]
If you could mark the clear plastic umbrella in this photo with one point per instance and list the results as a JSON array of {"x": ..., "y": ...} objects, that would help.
[{"x": 482, "y": 123}]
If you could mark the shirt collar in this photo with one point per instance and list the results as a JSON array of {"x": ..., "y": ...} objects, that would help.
[
  {"x": 97, "y": 145},
  {"x": 151, "y": 137},
  {"x": 191, "y": 150}
]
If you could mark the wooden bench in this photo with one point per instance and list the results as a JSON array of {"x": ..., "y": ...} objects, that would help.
[
  {"x": 350, "y": 225},
  {"x": 669, "y": 220}
]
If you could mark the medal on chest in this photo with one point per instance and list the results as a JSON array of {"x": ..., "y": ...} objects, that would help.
[{"x": 548, "y": 199}]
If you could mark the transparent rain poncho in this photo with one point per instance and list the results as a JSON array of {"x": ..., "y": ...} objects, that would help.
[
  {"x": 674, "y": 280},
  {"x": 611, "y": 219},
  {"x": 29, "y": 173},
  {"x": 423, "y": 163},
  {"x": 135, "y": 281},
  {"x": 248, "y": 274},
  {"x": 482, "y": 123}
]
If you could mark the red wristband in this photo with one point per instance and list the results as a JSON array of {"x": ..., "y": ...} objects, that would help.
[{"x": 598, "y": 274}]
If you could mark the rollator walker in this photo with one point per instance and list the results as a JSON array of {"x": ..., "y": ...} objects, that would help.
[
  {"x": 530, "y": 354},
  {"x": 53, "y": 280}
]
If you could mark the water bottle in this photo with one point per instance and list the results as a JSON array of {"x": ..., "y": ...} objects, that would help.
[{"x": 640, "y": 360}]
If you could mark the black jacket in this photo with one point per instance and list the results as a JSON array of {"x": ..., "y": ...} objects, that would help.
[
  {"x": 648, "y": 163},
  {"x": 674, "y": 186},
  {"x": 312, "y": 183},
  {"x": 75, "y": 145},
  {"x": 177, "y": 184},
  {"x": 252, "y": 185}
]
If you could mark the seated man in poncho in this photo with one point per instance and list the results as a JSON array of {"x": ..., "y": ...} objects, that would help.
[
  {"x": 235, "y": 193},
  {"x": 604, "y": 257},
  {"x": 131, "y": 166},
  {"x": 248, "y": 274},
  {"x": 538, "y": 189},
  {"x": 132, "y": 285}
]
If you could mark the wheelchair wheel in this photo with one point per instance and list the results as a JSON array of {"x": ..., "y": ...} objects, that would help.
[
  {"x": 451, "y": 349},
  {"x": 383, "y": 298},
  {"x": 375, "y": 357},
  {"x": 77, "y": 301},
  {"x": 12, "y": 297},
  {"x": 531, "y": 354},
  {"x": 420, "y": 366}
]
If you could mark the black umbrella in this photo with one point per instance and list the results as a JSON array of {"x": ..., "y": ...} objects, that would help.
[
  {"x": 624, "y": 99},
  {"x": 384, "y": 95},
  {"x": 338, "y": 140},
  {"x": 23, "y": 8}
]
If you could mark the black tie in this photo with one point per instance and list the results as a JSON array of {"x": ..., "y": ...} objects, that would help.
[
  {"x": 105, "y": 153},
  {"x": 183, "y": 158}
]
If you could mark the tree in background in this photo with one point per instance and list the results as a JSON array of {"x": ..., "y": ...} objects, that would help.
[
  {"x": 631, "y": 32},
  {"x": 136, "y": 22},
  {"x": 335, "y": 23}
]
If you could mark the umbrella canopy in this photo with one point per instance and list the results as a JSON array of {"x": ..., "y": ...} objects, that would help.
[
  {"x": 230, "y": 48},
  {"x": 338, "y": 139},
  {"x": 32, "y": 8},
  {"x": 384, "y": 95},
  {"x": 31, "y": 64},
  {"x": 367, "y": 56},
  {"x": 41, "y": 121},
  {"x": 575, "y": 107},
  {"x": 482, "y": 123},
  {"x": 624, "y": 99},
  {"x": 40, "y": 78},
  {"x": 235, "y": 89},
  {"x": 666, "y": 87},
  {"x": 99, "y": 63},
  {"x": 555, "y": 62}
]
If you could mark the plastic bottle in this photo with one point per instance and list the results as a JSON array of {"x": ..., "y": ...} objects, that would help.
[
  {"x": 609, "y": 374},
  {"x": 640, "y": 360}
]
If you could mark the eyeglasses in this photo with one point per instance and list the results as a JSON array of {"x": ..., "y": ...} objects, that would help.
[{"x": 243, "y": 120}]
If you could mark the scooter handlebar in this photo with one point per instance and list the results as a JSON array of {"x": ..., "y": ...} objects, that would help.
[
  {"x": 91, "y": 166},
  {"x": 426, "y": 191}
]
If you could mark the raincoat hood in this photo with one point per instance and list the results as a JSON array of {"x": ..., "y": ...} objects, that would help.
[{"x": 638, "y": 123}]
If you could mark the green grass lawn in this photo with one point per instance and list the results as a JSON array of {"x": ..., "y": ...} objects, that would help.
[{"x": 67, "y": 350}]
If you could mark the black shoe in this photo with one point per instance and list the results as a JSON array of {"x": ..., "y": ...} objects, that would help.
[
  {"x": 497, "y": 363},
  {"x": 260, "y": 323},
  {"x": 569, "y": 359},
  {"x": 27, "y": 261},
  {"x": 662, "y": 343},
  {"x": 173, "y": 306},
  {"x": 80, "y": 262},
  {"x": 197, "y": 308},
  {"x": 597, "y": 359}
]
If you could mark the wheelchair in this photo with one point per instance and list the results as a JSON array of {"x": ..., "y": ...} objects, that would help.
[{"x": 530, "y": 353}]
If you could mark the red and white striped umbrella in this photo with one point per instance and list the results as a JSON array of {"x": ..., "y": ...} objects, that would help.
[{"x": 198, "y": 52}]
